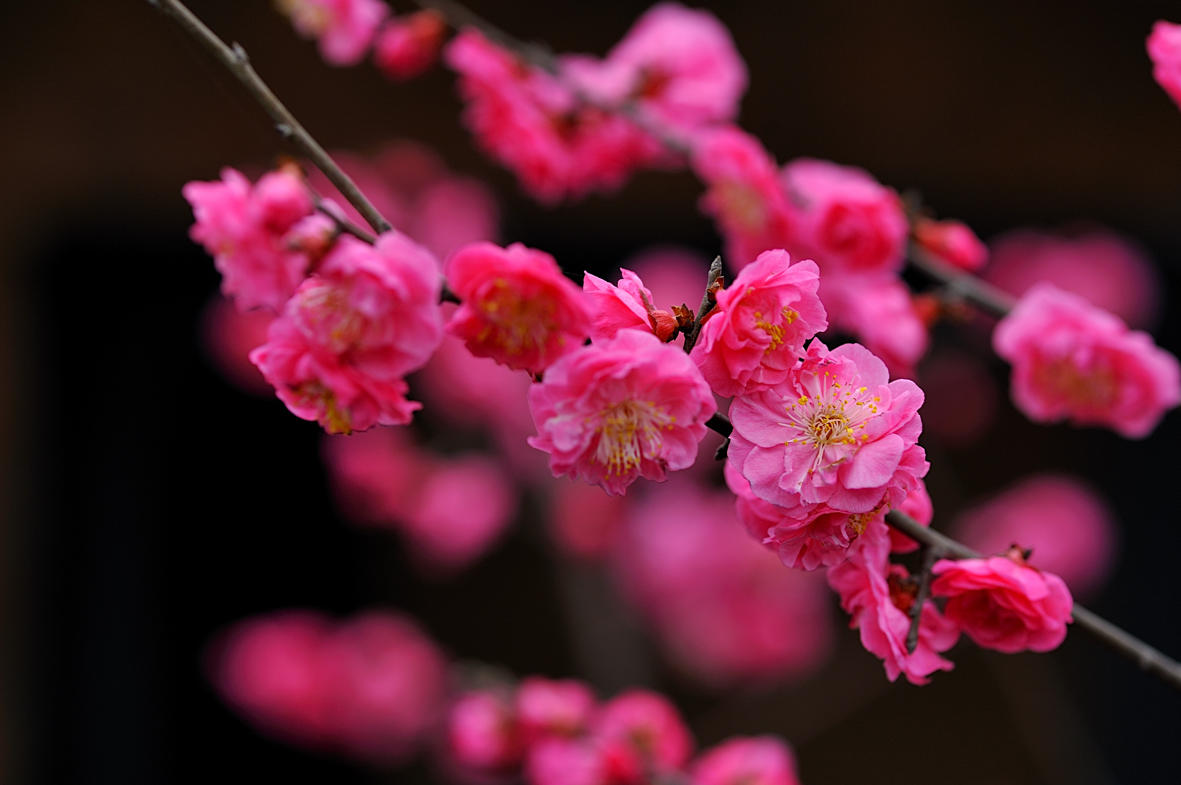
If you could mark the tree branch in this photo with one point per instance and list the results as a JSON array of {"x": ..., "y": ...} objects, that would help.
[
  {"x": 931, "y": 554},
  {"x": 975, "y": 290},
  {"x": 708, "y": 302},
  {"x": 234, "y": 58}
]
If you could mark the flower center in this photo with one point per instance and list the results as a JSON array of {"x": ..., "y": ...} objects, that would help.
[
  {"x": 775, "y": 330},
  {"x": 1087, "y": 388},
  {"x": 628, "y": 432},
  {"x": 517, "y": 323},
  {"x": 327, "y": 316},
  {"x": 831, "y": 421},
  {"x": 743, "y": 205},
  {"x": 335, "y": 418}
]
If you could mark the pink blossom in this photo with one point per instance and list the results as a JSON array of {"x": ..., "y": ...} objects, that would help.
[
  {"x": 919, "y": 507},
  {"x": 760, "y": 325},
  {"x": 547, "y": 708},
  {"x": 744, "y": 194},
  {"x": 243, "y": 227},
  {"x": 680, "y": 65},
  {"x": 393, "y": 205},
  {"x": 1111, "y": 271},
  {"x": 836, "y": 432},
  {"x": 1073, "y": 361},
  {"x": 409, "y": 45},
  {"x": 879, "y": 597},
  {"x": 584, "y": 520},
  {"x": 1003, "y": 604},
  {"x": 725, "y": 611},
  {"x": 848, "y": 222},
  {"x": 880, "y": 311},
  {"x": 745, "y": 760},
  {"x": 559, "y": 761},
  {"x": 517, "y": 307},
  {"x": 643, "y": 736},
  {"x": 368, "y": 317},
  {"x": 951, "y": 241},
  {"x": 1069, "y": 528},
  {"x": 452, "y": 212},
  {"x": 625, "y": 408},
  {"x": 228, "y": 335},
  {"x": 675, "y": 275},
  {"x": 344, "y": 28},
  {"x": 483, "y": 734},
  {"x": 1164, "y": 47},
  {"x": 626, "y": 306},
  {"x": 460, "y": 510},
  {"x": 376, "y": 475},
  {"x": 475, "y": 391}
]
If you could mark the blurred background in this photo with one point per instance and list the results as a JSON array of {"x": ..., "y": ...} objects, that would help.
[{"x": 146, "y": 503}]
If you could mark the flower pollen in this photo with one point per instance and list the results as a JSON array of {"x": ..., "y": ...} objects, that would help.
[{"x": 627, "y": 432}]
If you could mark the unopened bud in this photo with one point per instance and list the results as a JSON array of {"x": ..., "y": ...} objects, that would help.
[{"x": 664, "y": 325}]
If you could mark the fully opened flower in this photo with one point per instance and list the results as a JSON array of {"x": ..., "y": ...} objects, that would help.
[
  {"x": 344, "y": 28},
  {"x": 352, "y": 331},
  {"x": 1164, "y": 47},
  {"x": 626, "y": 408},
  {"x": 879, "y": 597},
  {"x": 1002, "y": 603},
  {"x": 244, "y": 227},
  {"x": 1073, "y": 361},
  {"x": 759, "y": 760},
  {"x": 760, "y": 325},
  {"x": 836, "y": 432},
  {"x": 517, "y": 307}
]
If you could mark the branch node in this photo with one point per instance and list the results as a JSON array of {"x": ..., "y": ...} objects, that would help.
[{"x": 239, "y": 53}]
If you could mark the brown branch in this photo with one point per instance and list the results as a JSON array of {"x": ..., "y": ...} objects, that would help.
[
  {"x": 972, "y": 289},
  {"x": 234, "y": 58},
  {"x": 1139, "y": 652},
  {"x": 931, "y": 554},
  {"x": 343, "y": 224},
  {"x": 707, "y": 304}
]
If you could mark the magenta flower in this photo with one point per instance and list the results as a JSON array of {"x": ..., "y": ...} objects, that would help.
[
  {"x": 517, "y": 307},
  {"x": 643, "y": 736},
  {"x": 344, "y": 28},
  {"x": 848, "y": 222},
  {"x": 352, "y": 331},
  {"x": 408, "y": 46},
  {"x": 1002, "y": 603},
  {"x": 1073, "y": 361},
  {"x": 742, "y": 760},
  {"x": 547, "y": 708},
  {"x": 560, "y": 761},
  {"x": 951, "y": 241},
  {"x": 745, "y": 195},
  {"x": 483, "y": 736},
  {"x": 879, "y": 597},
  {"x": 1164, "y": 47},
  {"x": 759, "y": 327},
  {"x": 626, "y": 306},
  {"x": 880, "y": 311},
  {"x": 837, "y": 432},
  {"x": 584, "y": 521},
  {"x": 243, "y": 227},
  {"x": 626, "y": 408}
]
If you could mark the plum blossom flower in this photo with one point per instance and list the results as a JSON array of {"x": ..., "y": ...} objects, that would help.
[
  {"x": 760, "y": 325},
  {"x": 951, "y": 241},
  {"x": 483, "y": 734},
  {"x": 352, "y": 331},
  {"x": 879, "y": 597},
  {"x": 642, "y": 735},
  {"x": 584, "y": 520},
  {"x": 626, "y": 408},
  {"x": 560, "y": 761},
  {"x": 745, "y": 195},
  {"x": 880, "y": 311},
  {"x": 1067, "y": 526},
  {"x": 409, "y": 45},
  {"x": 517, "y": 307},
  {"x": 1164, "y": 47},
  {"x": 743, "y": 760},
  {"x": 836, "y": 432},
  {"x": 1073, "y": 361},
  {"x": 848, "y": 222},
  {"x": 228, "y": 335},
  {"x": 1002, "y": 603},
  {"x": 626, "y": 306},
  {"x": 243, "y": 227},
  {"x": 344, "y": 28},
  {"x": 554, "y": 708}
]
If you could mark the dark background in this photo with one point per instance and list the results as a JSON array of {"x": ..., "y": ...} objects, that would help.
[{"x": 146, "y": 504}]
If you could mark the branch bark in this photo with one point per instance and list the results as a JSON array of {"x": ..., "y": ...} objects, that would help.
[
  {"x": 234, "y": 58},
  {"x": 980, "y": 293}
]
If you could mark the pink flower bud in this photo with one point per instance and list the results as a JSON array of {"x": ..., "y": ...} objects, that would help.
[
  {"x": 344, "y": 28},
  {"x": 409, "y": 45},
  {"x": 553, "y": 708},
  {"x": 951, "y": 241},
  {"x": 642, "y": 735},
  {"x": 483, "y": 734}
]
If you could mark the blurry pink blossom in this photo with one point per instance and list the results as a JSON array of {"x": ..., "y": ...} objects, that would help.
[
  {"x": 483, "y": 735},
  {"x": 453, "y": 212},
  {"x": 1073, "y": 361},
  {"x": 1164, "y": 47},
  {"x": 370, "y": 687},
  {"x": 344, "y": 28},
  {"x": 243, "y": 227},
  {"x": 744, "y": 194},
  {"x": 879, "y": 597},
  {"x": 472, "y": 390},
  {"x": 548, "y": 708},
  {"x": 1110, "y": 271},
  {"x": 758, "y": 329},
  {"x": 517, "y": 306},
  {"x": 409, "y": 45},
  {"x": 1068, "y": 527},
  {"x": 745, "y": 760},
  {"x": 559, "y": 761},
  {"x": 725, "y": 610},
  {"x": 376, "y": 475},
  {"x": 881, "y": 312},
  {"x": 643, "y": 737},
  {"x": 626, "y": 408},
  {"x": 583, "y": 519},
  {"x": 228, "y": 335},
  {"x": 951, "y": 241},
  {"x": 1003, "y": 604}
]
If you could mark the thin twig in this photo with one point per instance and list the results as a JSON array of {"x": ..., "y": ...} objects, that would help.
[
  {"x": 707, "y": 304},
  {"x": 931, "y": 554},
  {"x": 975, "y": 290},
  {"x": 343, "y": 224},
  {"x": 234, "y": 58},
  {"x": 1139, "y": 652}
]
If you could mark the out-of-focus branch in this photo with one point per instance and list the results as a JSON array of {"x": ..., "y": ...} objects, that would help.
[
  {"x": 978, "y": 292},
  {"x": 234, "y": 58}
]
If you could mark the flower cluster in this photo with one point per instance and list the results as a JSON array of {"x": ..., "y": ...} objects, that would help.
[
  {"x": 556, "y": 732},
  {"x": 1073, "y": 361}
]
